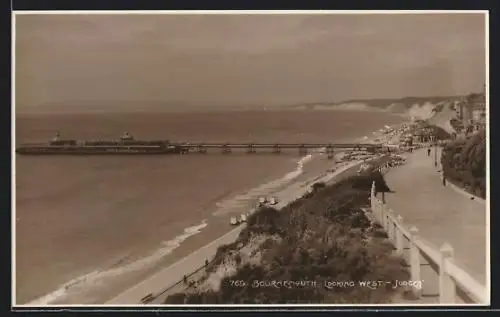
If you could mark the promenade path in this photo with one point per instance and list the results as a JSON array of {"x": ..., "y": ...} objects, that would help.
[{"x": 440, "y": 213}]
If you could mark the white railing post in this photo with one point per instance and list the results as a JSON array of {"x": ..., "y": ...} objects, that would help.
[
  {"x": 390, "y": 224},
  {"x": 383, "y": 221},
  {"x": 400, "y": 239},
  {"x": 394, "y": 226},
  {"x": 415, "y": 261},
  {"x": 387, "y": 221},
  {"x": 447, "y": 287},
  {"x": 382, "y": 214},
  {"x": 379, "y": 212},
  {"x": 373, "y": 203}
]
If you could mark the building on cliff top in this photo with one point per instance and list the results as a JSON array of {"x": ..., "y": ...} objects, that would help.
[{"x": 472, "y": 110}]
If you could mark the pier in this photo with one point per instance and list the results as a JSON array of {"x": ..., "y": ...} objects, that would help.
[
  {"x": 125, "y": 147},
  {"x": 275, "y": 148}
]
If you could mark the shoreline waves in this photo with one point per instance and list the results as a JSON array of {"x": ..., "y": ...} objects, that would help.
[{"x": 78, "y": 289}]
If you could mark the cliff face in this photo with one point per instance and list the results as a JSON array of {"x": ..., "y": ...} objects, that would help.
[{"x": 416, "y": 107}]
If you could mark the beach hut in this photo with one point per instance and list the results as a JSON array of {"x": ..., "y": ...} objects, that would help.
[
  {"x": 243, "y": 218},
  {"x": 273, "y": 201},
  {"x": 233, "y": 221},
  {"x": 261, "y": 202}
]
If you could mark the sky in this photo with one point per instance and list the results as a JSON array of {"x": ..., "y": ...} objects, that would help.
[{"x": 77, "y": 59}]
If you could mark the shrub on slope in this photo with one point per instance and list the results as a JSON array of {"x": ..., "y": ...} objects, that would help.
[
  {"x": 464, "y": 163},
  {"x": 324, "y": 238}
]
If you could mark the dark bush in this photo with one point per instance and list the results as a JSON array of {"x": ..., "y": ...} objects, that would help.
[
  {"x": 364, "y": 182},
  {"x": 464, "y": 163},
  {"x": 265, "y": 220},
  {"x": 222, "y": 251},
  {"x": 177, "y": 298},
  {"x": 317, "y": 186}
]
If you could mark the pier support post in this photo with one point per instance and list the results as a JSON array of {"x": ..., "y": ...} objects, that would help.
[
  {"x": 226, "y": 149},
  {"x": 330, "y": 153},
  {"x": 302, "y": 149},
  {"x": 400, "y": 239},
  {"x": 277, "y": 149},
  {"x": 415, "y": 261},
  {"x": 250, "y": 149},
  {"x": 202, "y": 149},
  {"x": 447, "y": 287},
  {"x": 185, "y": 150}
]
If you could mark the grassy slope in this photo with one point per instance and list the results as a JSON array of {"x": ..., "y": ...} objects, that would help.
[{"x": 324, "y": 236}]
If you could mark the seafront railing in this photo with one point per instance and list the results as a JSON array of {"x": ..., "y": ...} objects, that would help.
[
  {"x": 454, "y": 282},
  {"x": 152, "y": 296}
]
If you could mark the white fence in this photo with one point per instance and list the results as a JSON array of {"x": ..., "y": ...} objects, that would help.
[{"x": 451, "y": 277}]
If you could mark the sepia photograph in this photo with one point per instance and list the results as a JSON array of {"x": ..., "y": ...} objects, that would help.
[{"x": 250, "y": 158}]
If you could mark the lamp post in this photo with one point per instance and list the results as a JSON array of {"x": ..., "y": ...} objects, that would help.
[{"x": 435, "y": 150}]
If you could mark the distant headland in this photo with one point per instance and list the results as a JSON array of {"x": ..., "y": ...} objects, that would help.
[{"x": 393, "y": 105}]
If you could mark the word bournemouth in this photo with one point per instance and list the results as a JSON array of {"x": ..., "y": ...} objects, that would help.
[{"x": 326, "y": 284}]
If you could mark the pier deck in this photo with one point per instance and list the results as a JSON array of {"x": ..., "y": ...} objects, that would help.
[{"x": 188, "y": 147}]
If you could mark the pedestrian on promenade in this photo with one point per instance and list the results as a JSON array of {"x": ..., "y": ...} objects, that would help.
[
  {"x": 206, "y": 262},
  {"x": 444, "y": 181},
  {"x": 429, "y": 152},
  {"x": 184, "y": 279}
]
